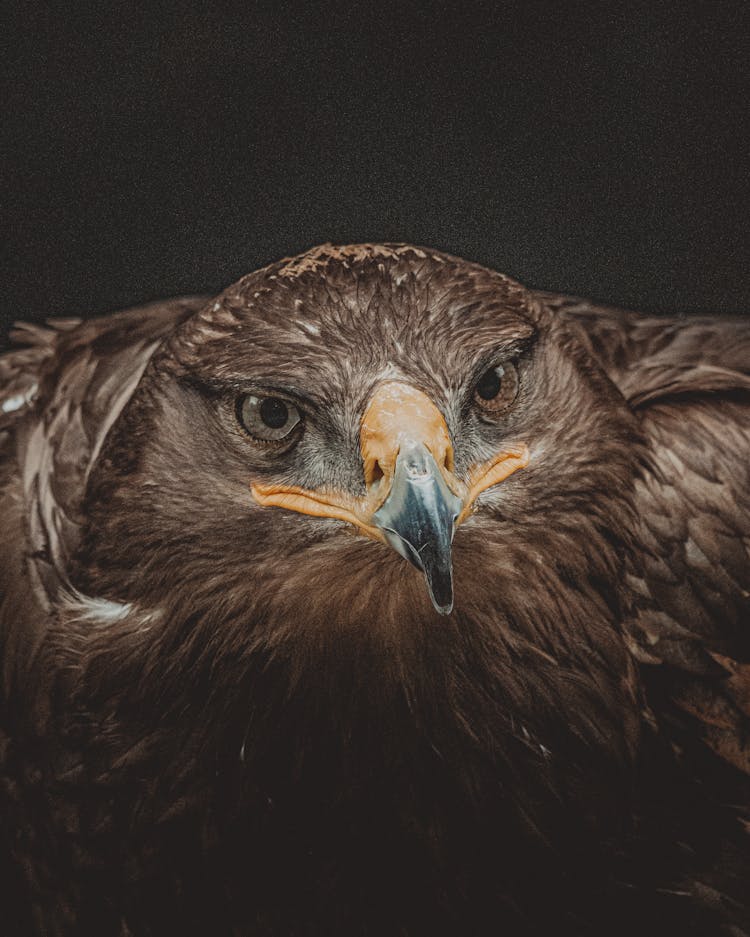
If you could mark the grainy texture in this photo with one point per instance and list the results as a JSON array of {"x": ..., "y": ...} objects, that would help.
[{"x": 228, "y": 719}]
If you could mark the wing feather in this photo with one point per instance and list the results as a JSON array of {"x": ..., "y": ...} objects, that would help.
[
  {"x": 61, "y": 390},
  {"x": 688, "y": 379}
]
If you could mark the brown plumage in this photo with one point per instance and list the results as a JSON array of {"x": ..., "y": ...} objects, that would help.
[{"x": 225, "y": 717}]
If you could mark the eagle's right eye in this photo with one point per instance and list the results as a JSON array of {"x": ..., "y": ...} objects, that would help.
[{"x": 270, "y": 419}]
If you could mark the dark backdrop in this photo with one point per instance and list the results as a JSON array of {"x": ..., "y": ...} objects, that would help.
[{"x": 596, "y": 149}]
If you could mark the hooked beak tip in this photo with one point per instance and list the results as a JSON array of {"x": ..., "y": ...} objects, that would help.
[
  {"x": 441, "y": 594},
  {"x": 438, "y": 576},
  {"x": 442, "y": 609}
]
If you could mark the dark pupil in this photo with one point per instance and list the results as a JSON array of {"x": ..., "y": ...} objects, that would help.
[
  {"x": 489, "y": 385},
  {"x": 274, "y": 412}
]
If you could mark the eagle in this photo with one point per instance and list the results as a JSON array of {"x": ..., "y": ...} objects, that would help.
[{"x": 378, "y": 596}]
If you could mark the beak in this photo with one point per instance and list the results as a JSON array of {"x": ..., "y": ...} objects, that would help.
[
  {"x": 413, "y": 501},
  {"x": 418, "y": 519}
]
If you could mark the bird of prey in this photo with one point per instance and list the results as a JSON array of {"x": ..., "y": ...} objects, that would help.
[{"x": 378, "y": 596}]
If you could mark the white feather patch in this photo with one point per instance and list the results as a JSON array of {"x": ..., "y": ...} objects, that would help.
[
  {"x": 104, "y": 612},
  {"x": 11, "y": 404},
  {"x": 308, "y": 327}
]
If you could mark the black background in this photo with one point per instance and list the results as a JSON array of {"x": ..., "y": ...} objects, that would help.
[{"x": 596, "y": 149}]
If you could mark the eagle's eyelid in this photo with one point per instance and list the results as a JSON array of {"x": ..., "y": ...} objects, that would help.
[
  {"x": 511, "y": 350},
  {"x": 293, "y": 394},
  {"x": 225, "y": 387}
]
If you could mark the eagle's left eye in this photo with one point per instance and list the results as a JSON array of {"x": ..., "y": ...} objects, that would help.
[
  {"x": 269, "y": 419},
  {"x": 497, "y": 388}
]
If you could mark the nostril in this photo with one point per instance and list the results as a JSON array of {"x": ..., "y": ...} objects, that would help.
[
  {"x": 375, "y": 473},
  {"x": 443, "y": 455},
  {"x": 448, "y": 458}
]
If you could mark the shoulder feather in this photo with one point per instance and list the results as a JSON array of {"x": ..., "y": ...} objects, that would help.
[
  {"x": 688, "y": 379},
  {"x": 61, "y": 391}
]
